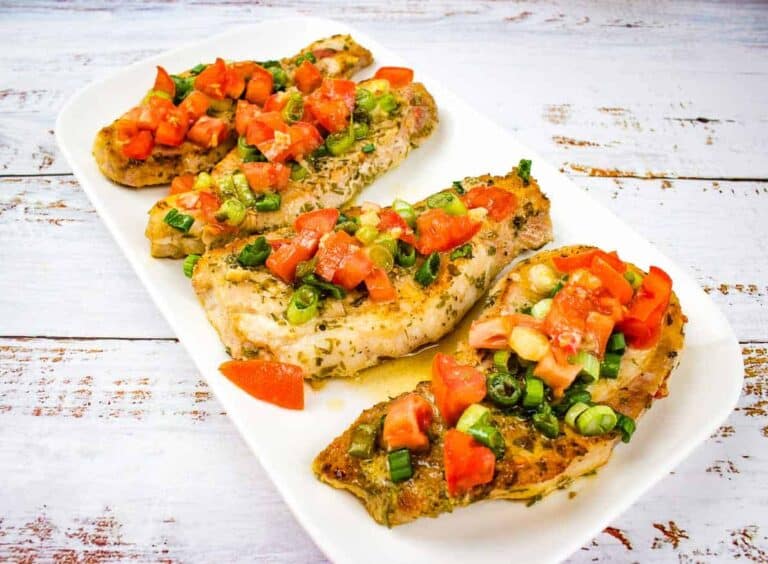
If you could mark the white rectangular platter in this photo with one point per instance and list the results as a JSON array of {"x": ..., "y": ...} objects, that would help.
[{"x": 703, "y": 390}]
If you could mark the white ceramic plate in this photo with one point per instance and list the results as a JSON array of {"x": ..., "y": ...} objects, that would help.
[{"x": 465, "y": 144}]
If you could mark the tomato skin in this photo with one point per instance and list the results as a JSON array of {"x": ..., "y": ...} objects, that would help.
[
  {"x": 354, "y": 268},
  {"x": 195, "y": 105},
  {"x": 599, "y": 328},
  {"x": 181, "y": 184},
  {"x": 499, "y": 203},
  {"x": 335, "y": 248},
  {"x": 307, "y": 77},
  {"x": 407, "y": 418},
  {"x": 208, "y": 132},
  {"x": 305, "y": 138},
  {"x": 172, "y": 129},
  {"x": 322, "y": 221},
  {"x": 584, "y": 260},
  {"x": 614, "y": 282},
  {"x": 140, "y": 146},
  {"x": 164, "y": 82},
  {"x": 234, "y": 84},
  {"x": 212, "y": 81},
  {"x": 439, "y": 231},
  {"x": 455, "y": 386},
  {"x": 642, "y": 324},
  {"x": 379, "y": 286},
  {"x": 244, "y": 113},
  {"x": 331, "y": 114},
  {"x": 277, "y": 383},
  {"x": 467, "y": 463},
  {"x": 283, "y": 261},
  {"x": 259, "y": 86}
]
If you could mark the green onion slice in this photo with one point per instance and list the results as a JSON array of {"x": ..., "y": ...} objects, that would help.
[
  {"x": 184, "y": 85},
  {"x": 361, "y": 132},
  {"x": 381, "y": 257},
  {"x": 465, "y": 251},
  {"x": 249, "y": 153},
  {"x": 267, "y": 202},
  {"x": 617, "y": 343},
  {"x": 546, "y": 422},
  {"x": 447, "y": 201},
  {"x": 364, "y": 99},
  {"x": 226, "y": 187},
  {"x": 501, "y": 360},
  {"x": 573, "y": 413},
  {"x": 610, "y": 366},
  {"x": 534, "y": 392},
  {"x": 572, "y": 397},
  {"x": 475, "y": 414},
  {"x": 232, "y": 212},
  {"x": 366, "y": 234},
  {"x": 298, "y": 172},
  {"x": 406, "y": 254},
  {"x": 399, "y": 462},
  {"x": 405, "y": 210},
  {"x": 489, "y": 436},
  {"x": 255, "y": 253},
  {"x": 541, "y": 308},
  {"x": 388, "y": 103},
  {"x": 189, "y": 265},
  {"x": 428, "y": 271},
  {"x": 306, "y": 267},
  {"x": 597, "y": 420},
  {"x": 197, "y": 69},
  {"x": 203, "y": 181},
  {"x": 303, "y": 305},
  {"x": 459, "y": 187},
  {"x": 504, "y": 389},
  {"x": 326, "y": 288},
  {"x": 180, "y": 221},
  {"x": 293, "y": 109},
  {"x": 363, "y": 441},
  {"x": 368, "y": 148},
  {"x": 243, "y": 190},
  {"x": 633, "y": 278},
  {"x": 626, "y": 425},
  {"x": 340, "y": 142},
  {"x": 590, "y": 365}
]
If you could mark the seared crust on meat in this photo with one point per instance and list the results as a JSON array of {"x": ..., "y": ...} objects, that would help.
[
  {"x": 331, "y": 182},
  {"x": 341, "y": 58},
  {"x": 533, "y": 464},
  {"x": 246, "y": 306}
]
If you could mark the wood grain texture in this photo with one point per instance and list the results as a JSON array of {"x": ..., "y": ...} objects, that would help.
[{"x": 112, "y": 447}]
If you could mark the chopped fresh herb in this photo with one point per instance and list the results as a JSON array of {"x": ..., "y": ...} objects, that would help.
[
  {"x": 305, "y": 57},
  {"x": 180, "y": 221},
  {"x": 459, "y": 187},
  {"x": 524, "y": 170},
  {"x": 465, "y": 251},
  {"x": 368, "y": 148}
]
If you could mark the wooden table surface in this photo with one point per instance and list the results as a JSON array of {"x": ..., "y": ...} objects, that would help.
[{"x": 112, "y": 448}]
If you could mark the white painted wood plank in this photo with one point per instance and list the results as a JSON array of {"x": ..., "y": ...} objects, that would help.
[
  {"x": 65, "y": 264},
  {"x": 116, "y": 450}
]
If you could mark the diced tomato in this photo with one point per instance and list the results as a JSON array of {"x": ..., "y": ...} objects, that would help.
[
  {"x": 455, "y": 386},
  {"x": 407, "y": 419},
  {"x": 127, "y": 126},
  {"x": 439, "y": 231},
  {"x": 558, "y": 374},
  {"x": 283, "y": 261},
  {"x": 262, "y": 127},
  {"x": 307, "y": 77},
  {"x": 182, "y": 183},
  {"x": 262, "y": 176},
  {"x": 331, "y": 114},
  {"x": 274, "y": 382},
  {"x": 335, "y": 248},
  {"x": 389, "y": 219},
  {"x": 208, "y": 132},
  {"x": 196, "y": 104},
  {"x": 172, "y": 128},
  {"x": 305, "y": 138},
  {"x": 642, "y": 324},
  {"x": 234, "y": 84},
  {"x": 467, "y": 463},
  {"x": 614, "y": 282},
  {"x": 149, "y": 117},
  {"x": 280, "y": 176},
  {"x": 499, "y": 203},
  {"x": 259, "y": 86},
  {"x": 244, "y": 68},
  {"x": 493, "y": 332},
  {"x": 140, "y": 146},
  {"x": 209, "y": 205},
  {"x": 566, "y": 320},
  {"x": 599, "y": 328},
  {"x": 379, "y": 286},
  {"x": 397, "y": 76},
  {"x": 244, "y": 113},
  {"x": 584, "y": 260},
  {"x": 212, "y": 81},
  {"x": 276, "y": 102},
  {"x": 354, "y": 268},
  {"x": 340, "y": 89},
  {"x": 323, "y": 221},
  {"x": 164, "y": 83},
  {"x": 324, "y": 53},
  {"x": 277, "y": 149}
]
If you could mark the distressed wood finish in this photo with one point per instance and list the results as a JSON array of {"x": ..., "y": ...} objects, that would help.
[{"x": 112, "y": 447}]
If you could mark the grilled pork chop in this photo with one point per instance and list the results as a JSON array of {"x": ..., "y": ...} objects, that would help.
[
  {"x": 331, "y": 181},
  {"x": 338, "y": 56},
  {"x": 247, "y": 305},
  {"x": 532, "y": 464}
]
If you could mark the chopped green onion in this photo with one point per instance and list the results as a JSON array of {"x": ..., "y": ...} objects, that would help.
[
  {"x": 184, "y": 85},
  {"x": 279, "y": 76},
  {"x": 590, "y": 365},
  {"x": 406, "y": 254},
  {"x": 534, "y": 392},
  {"x": 293, "y": 109},
  {"x": 226, "y": 186},
  {"x": 361, "y": 132},
  {"x": 617, "y": 343},
  {"x": 447, "y": 201},
  {"x": 248, "y": 153},
  {"x": 255, "y": 253},
  {"x": 501, "y": 360},
  {"x": 203, "y": 181},
  {"x": 465, "y": 251},
  {"x": 573, "y": 413},
  {"x": 180, "y": 221},
  {"x": 546, "y": 422},
  {"x": 459, "y": 187},
  {"x": 556, "y": 289},
  {"x": 405, "y": 210},
  {"x": 388, "y": 103},
  {"x": 428, "y": 271},
  {"x": 572, "y": 397},
  {"x": 475, "y": 414},
  {"x": 503, "y": 388},
  {"x": 232, "y": 212},
  {"x": 348, "y": 224},
  {"x": 305, "y": 57},
  {"x": 340, "y": 142},
  {"x": 298, "y": 172},
  {"x": 381, "y": 257},
  {"x": 189, "y": 265},
  {"x": 243, "y": 190},
  {"x": 524, "y": 170},
  {"x": 633, "y": 278},
  {"x": 368, "y": 148},
  {"x": 366, "y": 234},
  {"x": 158, "y": 93},
  {"x": 363, "y": 441},
  {"x": 541, "y": 308},
  {"x": 269, "y": 201},
  {"x": 597, "y": 420},
  {"x": 399, "y": 462},
  {"x": 609, "y": 368},
  {"x": 489, "y": 436},
  {"x": 626, "y": 425},
  {"x": 306, "y": 267},
  {"x": 364, "y": 99},
  {"x": 326, "y": 288},
  {"x": 388, "y": 241},
  {"x": 197, "y": 69},
  {"x": 303, "y": 305}
]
